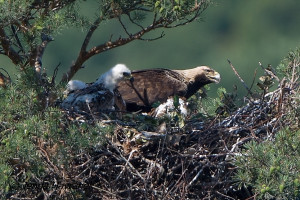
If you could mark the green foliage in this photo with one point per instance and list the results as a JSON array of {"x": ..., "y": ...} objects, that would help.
[
  {"x": 286, "y": 66},
  {"x": 33, "y": 141},
  {"x": 272, "y": 169},
  {"x": 5, "y": 180},
  {"x": 173, "y": 9},
  {"x": 11, "y": 10},
  {"x": 47, "y": 17},
  {"x": 290, "y": 69},
  {"x": 15, "y": 103},
  {"x": 224, "y": 104},
  {"x": 170, "y": 9}
]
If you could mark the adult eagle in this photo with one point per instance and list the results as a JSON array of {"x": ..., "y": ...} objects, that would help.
[
  {"x": 96, "y": 97},
  {"x": 157, "y": 85}
]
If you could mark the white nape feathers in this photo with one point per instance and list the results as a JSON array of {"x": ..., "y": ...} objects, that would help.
[{"x": 99, "y": 96}]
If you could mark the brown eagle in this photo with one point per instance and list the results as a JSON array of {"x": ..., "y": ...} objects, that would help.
[{"x": 157, "y": 85}]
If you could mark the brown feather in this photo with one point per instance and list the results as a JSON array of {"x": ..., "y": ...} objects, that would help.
[
  {"x": 101, "y": 99},
  {"x": 153, "y": 85}
]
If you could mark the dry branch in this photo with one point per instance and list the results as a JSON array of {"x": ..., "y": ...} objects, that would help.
[
  {"x": 7, "y": 48},
  {"x": 242, "y": 81}
]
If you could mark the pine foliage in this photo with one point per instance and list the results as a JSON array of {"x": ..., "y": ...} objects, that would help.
[
  {"x": 270, "y": 169},
  {"x": 35, "y": 143}
]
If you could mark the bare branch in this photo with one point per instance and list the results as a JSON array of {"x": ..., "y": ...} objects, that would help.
[
  {"x": 55, "y": 74},
  {"x": 253, "y": 79},
  {"x": 8, "y": 50},
  {"x": 237, "y": 74},
  {"x": 89, "y": 34},
  {"x": 85, "y": 55},
  {"x": 122, "y": 41},
  {"x": 270, "y": 73},
  {"x": 17, "y": 39},
  {"x": 39, "y": 52},
  {"x": 132, "y": 21},
  {"x": 152, "y": 39},
  {"x": 124, "y": 27},
  {"x": 82, "y": 54}
]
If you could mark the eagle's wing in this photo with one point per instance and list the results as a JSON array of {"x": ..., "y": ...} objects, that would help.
[
  {"x": 120, "y": 104},
  {"x": 150, "y": 86},
  {"x": 91, "y": 99}
]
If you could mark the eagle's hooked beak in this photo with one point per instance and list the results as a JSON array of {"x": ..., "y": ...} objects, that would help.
[
  {"x": 215, "y": 77},
  {"x": 128, "y": 76}
]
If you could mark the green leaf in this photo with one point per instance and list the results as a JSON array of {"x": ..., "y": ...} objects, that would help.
[
  {"x": 157, "y": 3},
  {"x": 176, "y": 102}
]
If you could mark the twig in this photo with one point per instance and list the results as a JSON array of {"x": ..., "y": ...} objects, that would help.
[
  {"x": 4, "y": 77},
  {"x": 124, "y": 27},
  {"x": 17, "y": 38},
  {"x": 270, "y": 73},
  {"x": 253, "y": 79},
  {"x": 8, "y": 50},
  {"x": 55, "y": 74},
  {"x": 130, "y": 155},
  {"x": 243, "y": 82},
  {"x": 127, "y": 162},
  {"x": 132, "y": 21},
  {"x": 294, "y": 78},
  {"x": 223, "y": 195},
  {"x": 153, "y": 39},
  {"x": 240, "y": 142},
  {"x": 197, "y": 176},
  {"x": 49, "y": 162},
  {"x": 102, "y": 190}
]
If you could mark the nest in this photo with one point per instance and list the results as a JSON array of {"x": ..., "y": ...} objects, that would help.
[
  {"x": 194, "y": 164},
  {"x": 174, "y": 164}
]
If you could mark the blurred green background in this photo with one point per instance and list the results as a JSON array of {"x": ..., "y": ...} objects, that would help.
[{"x": 245, "y": 32}]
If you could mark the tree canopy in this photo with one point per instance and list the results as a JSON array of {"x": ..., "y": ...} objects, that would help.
[{"x": 26, "y": 27}]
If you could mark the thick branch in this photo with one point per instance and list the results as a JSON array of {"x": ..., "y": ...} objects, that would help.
[
  {"x": 36, "y": 58},
  {"x": 8, "y": 50},
  {"x": 85, "y": 55},
  {"x": 82, "y": 54},
  {"x": 89, "y": 34}
]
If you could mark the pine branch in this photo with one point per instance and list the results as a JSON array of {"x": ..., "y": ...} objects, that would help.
[
  {"x": 8, "y": 50},
  {"x": 116, "y": 10},
  {"x": 82, "y": 54},
  {"x": 85, "y": 55}
]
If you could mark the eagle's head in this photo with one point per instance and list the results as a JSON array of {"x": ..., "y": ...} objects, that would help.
[
  {"x": 200, "y": 76},
  {"x": 211, "y": 75},
  {"x": 111, "y": 78}
]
